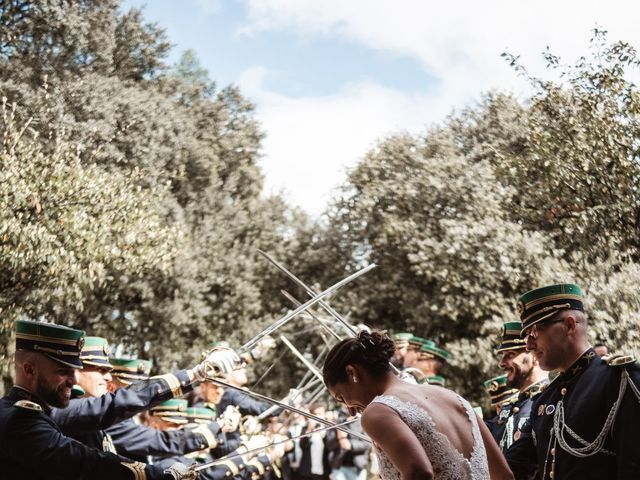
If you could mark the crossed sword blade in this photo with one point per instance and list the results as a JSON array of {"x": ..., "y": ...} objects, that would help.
[
  {"x": 311, "y": 292},
  {"x": 352, "y": 331},
  {"x": 259, "y": 396},
  {"x": 316, "y": 299},
  {"x": 218, "y": 461}
]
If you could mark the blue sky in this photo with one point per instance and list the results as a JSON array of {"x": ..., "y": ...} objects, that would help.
[{"x": 330, "y": 78}]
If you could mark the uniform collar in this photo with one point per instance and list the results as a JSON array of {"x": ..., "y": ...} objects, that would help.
[
  {"x": 579, "y": 366},
  {"x": 20, "y": 393},
  {"x": 533, "y": 389}
]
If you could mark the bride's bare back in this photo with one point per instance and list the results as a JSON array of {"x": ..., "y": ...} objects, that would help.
[{"x": 445, "y": 409}]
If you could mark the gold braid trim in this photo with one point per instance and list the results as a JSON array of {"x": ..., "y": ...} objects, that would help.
[
  {"x": 552, "y": 308},
  {"x": 65, "y": 353},
  {"x": 258, "y": 464},
  {"x": 138, "y": 470},
  {"x": 173, "y": 383},
  {"x": 233, "y": 468},
  {"x": 208, "y": 435}
]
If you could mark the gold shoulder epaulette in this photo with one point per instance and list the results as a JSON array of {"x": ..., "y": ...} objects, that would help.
[
  {"x": 28, "y": 405},
  {"x": 619, "y": 360}
]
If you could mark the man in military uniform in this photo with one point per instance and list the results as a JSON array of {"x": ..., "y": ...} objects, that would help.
[
  {"x": 524, "y": 374},
  {"x": 584, "y": 423},
  {"x": 500, "y": 394},
  {"x": 133, "y": 440},
  {"x": 31, "y": 444},
  {"x": 401, "y": 342},
  {"x": 431, "y": 360}
]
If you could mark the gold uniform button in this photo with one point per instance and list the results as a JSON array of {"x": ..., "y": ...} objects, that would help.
[
  {"x": 563, "y": 392},
  {"x": 516, "y": 409}
]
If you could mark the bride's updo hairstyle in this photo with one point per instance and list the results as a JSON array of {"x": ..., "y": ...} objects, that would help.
[{"x": 372, "y": 351}]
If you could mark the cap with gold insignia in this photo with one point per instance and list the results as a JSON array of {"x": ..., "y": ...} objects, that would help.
[
  {"x": 498, "y": 390},
  {"x": 96, "y": 352},
  {"x": 200, "y": 415},
  {"x": 60, "y": 343},
  {"x": 130, "y": 370},
  {"x": 173, "y": 410},
  {"x": 401, "y": 339},
  {"x": 416, "y": 343},
  {"x": 430, "y": 350},
  {"x": 510, "y": 337},
  {"x": 537, "y": 305}
]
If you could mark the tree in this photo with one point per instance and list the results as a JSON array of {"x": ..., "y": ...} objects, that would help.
[
  {"x": 578, "y": 177},
  {"x": 69, "y": 229}
]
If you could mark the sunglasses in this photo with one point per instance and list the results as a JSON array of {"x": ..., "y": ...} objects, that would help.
[{"x": 540, "y": 327}]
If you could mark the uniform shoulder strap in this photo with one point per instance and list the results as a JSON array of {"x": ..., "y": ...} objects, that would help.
[
  {"x": 619, "y": 360},
  {"x": 26, "y": 404}
]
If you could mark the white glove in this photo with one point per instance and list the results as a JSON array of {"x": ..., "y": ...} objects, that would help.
[
  {"x": 216, "y": 362},
  {"x": 290, "y": 399},
  {"x": 251, "y": 425},
  {"x": 231, "y": 418},
  {"x": 256, "y": 441},
  {"x": 280, "y": 450},
  {"x": 179, "y": 471},
  {"x": 263, "y": 346}
]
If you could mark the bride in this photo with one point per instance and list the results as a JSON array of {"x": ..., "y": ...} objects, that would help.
[{"x": 419, "y": 431}]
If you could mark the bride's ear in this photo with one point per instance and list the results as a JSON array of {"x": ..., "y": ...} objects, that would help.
[{"x": 351, "y": 372}]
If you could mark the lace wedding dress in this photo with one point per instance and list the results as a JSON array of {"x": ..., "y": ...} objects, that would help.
[{"x": 448, "y": 463}]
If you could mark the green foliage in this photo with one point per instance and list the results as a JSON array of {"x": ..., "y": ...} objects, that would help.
[
  {"x": 501, "y": 198},
  {"x": 189, "y": 149},
  {"x": 579, "y": 176},
  {"x": 69, "y": 229}
]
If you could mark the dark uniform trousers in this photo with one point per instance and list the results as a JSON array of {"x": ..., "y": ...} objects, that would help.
[
  {"x": 33, "y": 447},
  {"x": 579, "y": 401}
]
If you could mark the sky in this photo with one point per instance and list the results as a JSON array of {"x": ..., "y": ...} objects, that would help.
[{"x": 331, "y": 78}]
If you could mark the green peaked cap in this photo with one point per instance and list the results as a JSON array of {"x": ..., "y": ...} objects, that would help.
[
  {"x": 173, "y": 410},
  {"x": 96, "y": 352},
  {"x": 510, "y": 337},
  {"x": 401, "y": 339},
  {"x": 416, "y": 342},
  {"x": 498, "y": 390},
  {"x": 60, "y": 343},
  {"x": 431, "y": 349},
  {"x": 130, "y": 370},
  {"x": 538, "y": 305},
  {"x": 200, "y": 415}
]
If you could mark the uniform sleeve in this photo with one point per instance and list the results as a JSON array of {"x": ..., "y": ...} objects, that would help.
[
  {"x": 131, "y": 439},
  {"x": 246, "y": 404},
  {"x": 42, "y": 449},
  {"x": 625, "y": 431},
  {"x": 521, "y": 455},
  {"x": 86, "y": 415}
]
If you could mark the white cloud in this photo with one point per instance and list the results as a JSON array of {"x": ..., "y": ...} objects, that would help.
[
  {"x": 310, "y": 141},
  {"x": 209, "y": 6}
]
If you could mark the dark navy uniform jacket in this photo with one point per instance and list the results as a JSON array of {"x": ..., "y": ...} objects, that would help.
[
  {"x": 137, "y": 441},
  {"x": 496, "y": 427},
  {"x": 86, "y": 418},
  {"x": 517, "y": 413},
  {"x": 33, "y": 447},
  {"x": 588, "y": 390}
]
